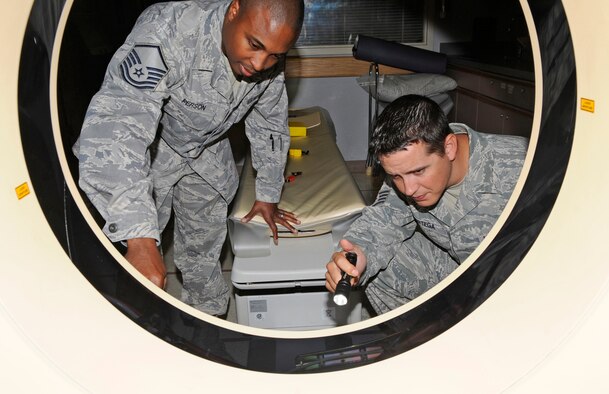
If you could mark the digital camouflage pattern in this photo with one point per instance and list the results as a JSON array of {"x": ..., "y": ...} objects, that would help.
[
  {"x": 169, "y": 83},
  {"x": 410, "y": 250}
]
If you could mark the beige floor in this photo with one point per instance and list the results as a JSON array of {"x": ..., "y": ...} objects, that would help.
[{"x": 367, "y": 184}]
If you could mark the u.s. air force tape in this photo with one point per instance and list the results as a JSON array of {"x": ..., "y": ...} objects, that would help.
[{"x": 144, "y": 67}]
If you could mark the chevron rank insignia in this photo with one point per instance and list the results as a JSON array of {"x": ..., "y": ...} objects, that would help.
[{"x": 144, "y": 67}]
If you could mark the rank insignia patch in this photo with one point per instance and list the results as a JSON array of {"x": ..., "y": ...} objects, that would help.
[{"x": 144, "y": 67}]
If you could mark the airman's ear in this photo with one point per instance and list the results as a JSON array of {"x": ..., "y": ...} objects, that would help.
[
  {"x": 233, "y": 10},
  {"x": 450, "y": 146}
]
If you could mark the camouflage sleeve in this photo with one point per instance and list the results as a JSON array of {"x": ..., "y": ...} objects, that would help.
[
  {"x": 509, "y": 153},
  {"x": 382, "y": 227},
  {"x": 267, "y": 130},
  {"x": 120, "y": 124}
]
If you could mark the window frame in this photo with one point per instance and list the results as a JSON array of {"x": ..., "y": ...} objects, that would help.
[{"x": 346, "y": 50}]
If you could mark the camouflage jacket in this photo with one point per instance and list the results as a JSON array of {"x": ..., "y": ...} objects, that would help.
[
  {"x": 170, "y": 80},
  {"x": 494, "y": 166}
]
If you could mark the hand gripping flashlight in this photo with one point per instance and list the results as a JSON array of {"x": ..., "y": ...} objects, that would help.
[{"x": 343, "y": 287}]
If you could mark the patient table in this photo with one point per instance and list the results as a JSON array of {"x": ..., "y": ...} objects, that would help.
[{"x": 282, "y": 286}]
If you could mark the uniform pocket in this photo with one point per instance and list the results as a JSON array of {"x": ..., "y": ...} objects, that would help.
[{"x": 217, "y": 166}]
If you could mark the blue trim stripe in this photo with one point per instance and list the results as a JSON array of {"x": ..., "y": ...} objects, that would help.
[
  {"x": 136, "y": 56},
  {"x": 131, "y": 59}
]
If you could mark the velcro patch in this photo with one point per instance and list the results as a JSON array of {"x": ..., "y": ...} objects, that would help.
[{"x": 144, "y": 67}]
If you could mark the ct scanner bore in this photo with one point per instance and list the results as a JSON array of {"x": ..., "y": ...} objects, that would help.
[
  {"x": 375, "y": 343},
  {"x": 406, "y": 331}
]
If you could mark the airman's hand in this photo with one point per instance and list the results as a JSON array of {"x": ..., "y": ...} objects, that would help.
[
  {"x": 271, "y": 214},
  {"x": 340, "y": 264},
  {"x": 144, "y": 255}
]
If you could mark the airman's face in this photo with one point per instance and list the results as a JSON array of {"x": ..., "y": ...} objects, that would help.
[
  {"x": 252, "y": 41},
  {"x": 421, "y": 176}
]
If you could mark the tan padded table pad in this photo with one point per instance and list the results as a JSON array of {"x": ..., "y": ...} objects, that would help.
[{"x": 323, "y": 194}]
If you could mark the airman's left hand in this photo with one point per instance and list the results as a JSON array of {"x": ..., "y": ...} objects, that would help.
[{"x": 271, "y": 214}]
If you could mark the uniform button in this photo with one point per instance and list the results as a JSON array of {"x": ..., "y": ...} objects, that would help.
[{"x": 113, "y": 227}]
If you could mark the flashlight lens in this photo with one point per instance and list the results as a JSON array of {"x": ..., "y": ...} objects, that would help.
[{"x": 340, "y": 299}]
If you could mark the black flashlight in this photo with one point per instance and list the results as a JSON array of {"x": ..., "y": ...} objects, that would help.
[{"x": 343, "y": 287}]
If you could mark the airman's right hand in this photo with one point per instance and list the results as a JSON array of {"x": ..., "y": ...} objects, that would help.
[
  {"x": 144, "y": 255},
  {"x": 340, "y": 264}
]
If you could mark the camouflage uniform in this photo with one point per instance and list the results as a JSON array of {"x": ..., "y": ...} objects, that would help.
[
  {"x": 410, "y": 250},
  {"x": 154, "y": 139}
]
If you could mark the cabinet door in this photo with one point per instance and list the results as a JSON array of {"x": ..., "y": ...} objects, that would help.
[
  {"x": 517, "y": 123},
  {"x": 499, "y": 119},
  {"x": 490, "y": 118},
  {"x": 465, "y": 78},
  {"x": 466, "y": 110},
  {"x": 517, "y": 94}
]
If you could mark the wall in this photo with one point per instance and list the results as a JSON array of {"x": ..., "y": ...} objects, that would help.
[{"x": 347, "y": 104}]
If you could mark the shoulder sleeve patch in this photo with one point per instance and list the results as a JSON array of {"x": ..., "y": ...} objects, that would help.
[{"x": 144, "y": 67}]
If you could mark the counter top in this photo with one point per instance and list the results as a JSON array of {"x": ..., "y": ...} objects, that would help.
[{"x": 512, "y": 69}]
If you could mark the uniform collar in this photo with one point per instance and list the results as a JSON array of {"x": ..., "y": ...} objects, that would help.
[
  {"x": 211, "y": 58},
  {"x": 220, "y": 79},
  {"x": 477, "y": 182}
]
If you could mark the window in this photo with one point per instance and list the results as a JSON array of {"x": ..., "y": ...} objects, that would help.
[{"x": 330, "y": 26}]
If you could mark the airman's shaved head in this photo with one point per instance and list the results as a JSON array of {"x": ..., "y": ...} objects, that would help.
[{"x": 282, "y": 11}]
